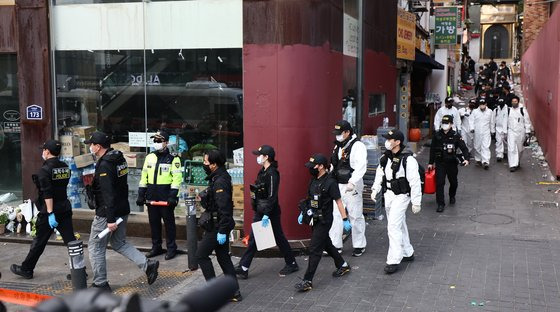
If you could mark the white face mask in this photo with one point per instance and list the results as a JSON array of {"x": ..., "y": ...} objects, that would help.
[
  {"x": 158, "y": 146},
  {"x": 92, "y": 149},
  {"x": 43, "y": 156},
  {"x": 445, "y": 127},
  {"x": 340, "y": 137},
  {"x": 260, "y": 160},
  {"x": 388, "y": 145}
]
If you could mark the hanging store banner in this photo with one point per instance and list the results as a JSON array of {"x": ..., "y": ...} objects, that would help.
[
  {"x": 446, "y": 25},
  {"x": 350, "y": 36},
  {"x": 406, "y": 35}
]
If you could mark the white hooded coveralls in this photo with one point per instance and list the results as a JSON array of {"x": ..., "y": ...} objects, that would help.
[
  {"x": 466, "y": 126},
  {"x": 353, "y": 201},
  {"x": 499, "y": 126},
  {"x": 396, "y": 205},
  {"x": 482, "y": 124},
  {"x": 453, "y": 111},
  {"x": 519, "y": 125}
]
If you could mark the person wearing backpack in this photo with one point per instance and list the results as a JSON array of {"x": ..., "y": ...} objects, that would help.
[
  {"x": 349, "y": 165},
  {"x": 443, "y": 153},
  {"x": 399, "y": 178},
  {"x": 519, "y": 130}
]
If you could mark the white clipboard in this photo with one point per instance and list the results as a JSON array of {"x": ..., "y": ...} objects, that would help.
[{"x": 264, "y": 236}]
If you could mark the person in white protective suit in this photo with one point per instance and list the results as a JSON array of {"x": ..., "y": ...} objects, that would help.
[
  {"x": 482, "y": 124},
  {"x": 519, "y": 130},
  {"x": 466, "y": 124},
  {"x": 448, "y": 109},
  {"x": 348, "y": 166},
  {"x": 398, "y": 176},
  {"x": 500, "y": 127}
]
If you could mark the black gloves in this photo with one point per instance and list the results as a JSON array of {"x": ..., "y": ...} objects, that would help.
[{"x": 172, "y": 201}]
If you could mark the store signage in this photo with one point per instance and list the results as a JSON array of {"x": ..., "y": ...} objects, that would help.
[
  {"x": 140, "y": 139},
  {"x": 153, "y": 80},
  {"x": 11, "y": 127},
  {"x": 406, "y": 35},
  {"x": 446, "y": 25},
  {"x": 350, "y": 36},
  {"x": 11, "y": 115},
  {"x": 34, "y": 112}
]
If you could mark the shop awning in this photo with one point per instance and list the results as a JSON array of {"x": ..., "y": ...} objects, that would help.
[{"x": 423, "y": 59}]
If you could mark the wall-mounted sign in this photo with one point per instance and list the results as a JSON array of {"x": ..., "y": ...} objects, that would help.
[
  {"x": 446, "y": 25},
  {"x": 34, "y": 112},
  {"x": 350, "y": 36},
  {"x": 406, "y": 35}
]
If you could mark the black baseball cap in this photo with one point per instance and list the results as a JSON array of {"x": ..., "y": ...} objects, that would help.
[
  {"x": 317, "y": 159},
  {"x": 266, "y": 150},
  {"x": 473, "y": 101},
  {"x": 501, "y": 100},
  {"x": 162, "y": 135},
  {"x": 341, "y": 126},
  {"x": 53, "y": 146},
  {"x": 98, "y": 137},
  {"x": 447, "y": 119},
  {"x": 482, "y": 101},
  {"x": 448, "y": 99},
  {"x": 394, "y": 135}
]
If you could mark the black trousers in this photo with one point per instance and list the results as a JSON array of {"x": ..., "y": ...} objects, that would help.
[
  {"x": 155, "y": 214},
  {"x": 449, "y": 170},
  {"x": 321, "y": 241},
  {"x": 208, "y": 244},
  {"x": 279, "y": 236},
  {"x": 44, "y": 232}
]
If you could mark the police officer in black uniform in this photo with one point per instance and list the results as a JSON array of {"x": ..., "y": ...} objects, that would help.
[
  {"x": 264, "y": 195},
  {"x": 443, "y": 153},
  {"x": 316, "y": 211},
  {"x": 54, "y": 208},
  {"x": 217, "y": 219}
]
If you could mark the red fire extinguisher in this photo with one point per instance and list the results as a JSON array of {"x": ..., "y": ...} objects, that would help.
[{"x": 430, "y": 182}]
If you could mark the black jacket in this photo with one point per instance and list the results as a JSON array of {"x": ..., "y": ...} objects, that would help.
[
  {"x": 267, "y": 202},
  {"x": 51, "y": 181},
  {"x": 220, "y": 192},
  {"x": 439, "y": 151},
  {"x": 110, "y": 186}
]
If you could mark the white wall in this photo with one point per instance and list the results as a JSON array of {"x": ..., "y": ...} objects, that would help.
[
  {"x": 474, "y": 49},
  {"x": 168, "y": 25}
]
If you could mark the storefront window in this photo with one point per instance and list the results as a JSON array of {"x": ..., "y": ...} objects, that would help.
[
  {"x": 142, "y": 68},
  {"x": 10, "y": 130}
]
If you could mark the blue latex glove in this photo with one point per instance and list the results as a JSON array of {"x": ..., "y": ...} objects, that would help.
[
  {"x": 52, "y": 220},
  {"x": 300, "y": 218},
  {"x": 221, "y": 238},
  {"x": 265, "y": 221},
  {"x": 347, "y": 225}
]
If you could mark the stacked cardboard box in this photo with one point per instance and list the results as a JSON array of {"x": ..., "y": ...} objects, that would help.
[
  {"x": 238, "y": 201},
  {"x": 70, "y": 145},
  {"x": 134, "y": 159}
]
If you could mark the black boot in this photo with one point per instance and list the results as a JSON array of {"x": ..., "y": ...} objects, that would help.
[{"x": 440, "y": 208}]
